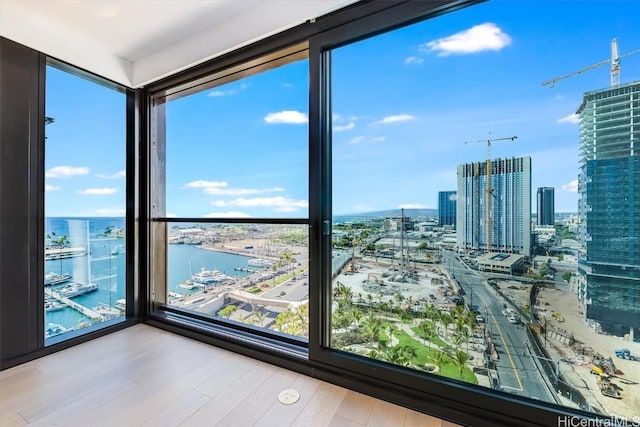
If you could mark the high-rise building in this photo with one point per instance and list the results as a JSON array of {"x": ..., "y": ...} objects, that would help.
[
  {"x": 546, "y": 210},
  {"x": 509, "y": 198},
  {"x": 447, "y": 201},
  {"x": 609, "y": 206}
]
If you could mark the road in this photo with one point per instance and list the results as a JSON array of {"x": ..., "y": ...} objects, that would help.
[{"x": 516, "y": 369}]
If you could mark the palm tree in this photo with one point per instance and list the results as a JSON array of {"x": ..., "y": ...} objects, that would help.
[
  {"x": 409, "y": 353},
  {"x": 427, "y": 330},
  {"x": 392, "y": 328},
  {"x": 260, "y": 316},
  {"x": 440, "y": 358},
  {"x": 446, "y": 320},
  {"x": 371, "y": 328},
  {"x": 460, "y": 360},
  {"x": 399, "y": 298},
  {"x": 356, "y": 316}
]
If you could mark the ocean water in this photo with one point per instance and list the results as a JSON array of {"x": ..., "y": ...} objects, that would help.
[{"x": 105, "y": 264}]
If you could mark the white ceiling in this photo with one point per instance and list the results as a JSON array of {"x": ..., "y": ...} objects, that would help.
[{"x": 135, "y": 42}]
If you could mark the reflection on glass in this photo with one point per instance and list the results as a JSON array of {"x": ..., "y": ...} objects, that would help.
[
  {"x": 485, "y": 227},
  {"x": 249, "y": 273},
  {"x": 84, "y": 230},
  {"x": 84, "y": 273},
  {"x": 240, "y": 150}
]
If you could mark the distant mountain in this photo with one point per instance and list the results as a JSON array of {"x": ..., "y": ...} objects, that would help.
[{"x": 411, "y": 213}]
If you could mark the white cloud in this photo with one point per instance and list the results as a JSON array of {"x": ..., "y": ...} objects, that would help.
[
  {"x": 110, "y": 212},
  {"x": 98, "y": 191},
  {"x": 117, "y": 175},
  {"x": 216, "y": 191},
  {"x": 217, "y": 92},
  {"x": 171, "y": 215},
  {"x": 571, "y": 118},
  {"x": 413, "y": 60},
  {"x": 366, "y": 140},
  {"x": 279, "y": 203},
  {"x": 286, "y": 117},
  {"x": 206, "y": 184},
  {"x": 227, "y": 215},
  {"x": 219, "y": 203},
  {"x": 395, "y": 119},
  {"x": 228, "y": 92},
  {"x": 413, "y": 206},
  {"x": 48, "y": 187},
  {"x": 66, "y": 171},
  {"x": 487, "y": 36},
  {"x": 572, "y": 187},
  {"x": 341, "y": 128}
]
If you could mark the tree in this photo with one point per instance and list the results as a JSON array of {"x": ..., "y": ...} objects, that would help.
[
  {"x": 446, "y": 320},
  {"x": 356, "y": 316},
  {"x": 440, "y": 358},
  {"x": 427, "y": 332},
  {"x": 460, "y": 360},
  {"x": 566, "y": 276},
  {"x": 392, "y": 328},
  {"x": 399, "y": 298},
  {"x": 371, "y": 328},
  {"x": 227, "y": 311}
]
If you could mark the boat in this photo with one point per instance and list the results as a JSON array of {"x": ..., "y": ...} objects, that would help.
[
  {"x": 77, "y": 289},
  {"x": 107, "y": 312},
  {"x": 208, "y": 277},
  {"x": 188, "y": 284},
  {"x": 117, "y": 249},
  {"x": 62, "y": 253},
  {"x": 55, "y": 329},
  {"x": 52, "y": 305},
  {"x": 52, "y": 279},
  {"x": 260, "y": 262}
]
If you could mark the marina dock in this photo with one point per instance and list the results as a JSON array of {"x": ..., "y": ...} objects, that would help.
[{"x": 78, "y": 307}]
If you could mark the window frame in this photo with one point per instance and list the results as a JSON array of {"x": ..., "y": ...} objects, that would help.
[
  {"x": 133, "y": 139},
  {"x": 444, "y": 398},
  {"x": 225, "y": 73}
]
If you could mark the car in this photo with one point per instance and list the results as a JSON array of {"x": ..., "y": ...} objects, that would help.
[
  {"x": 479, "y": 319},
  {"x": 282, "y": 293},
  {"x": 513, "y": 319}
]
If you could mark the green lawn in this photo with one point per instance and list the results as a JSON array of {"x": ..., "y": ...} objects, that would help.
[
  {"x": 449, "y": 370},
  {"x": 436, "y": 339}
]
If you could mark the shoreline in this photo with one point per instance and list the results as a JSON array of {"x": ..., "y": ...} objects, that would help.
[{"x": 235, "y": 251}]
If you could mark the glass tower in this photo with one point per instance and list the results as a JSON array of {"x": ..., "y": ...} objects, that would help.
[
  {"x": 609, "y": 206},
  {"x": 546, "y": 209},
  {"x": 447, "y": 207},
  {"x": 495, "y": 218}
]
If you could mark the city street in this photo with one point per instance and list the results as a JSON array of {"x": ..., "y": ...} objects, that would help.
[{"x": 516, "y": 368}]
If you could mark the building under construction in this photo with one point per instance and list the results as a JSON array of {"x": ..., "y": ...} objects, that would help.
[
  {"x": 609, "y": 206},
  {"x": 494, "y": 209}
]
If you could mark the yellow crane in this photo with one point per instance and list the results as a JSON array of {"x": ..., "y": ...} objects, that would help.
[
  {"x": 615, "y": 67},
  {"x": 489, "y": 191}
]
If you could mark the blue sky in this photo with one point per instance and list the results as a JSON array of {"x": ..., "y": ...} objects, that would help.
[
  {"x": 85, "y": 147},
  {"x": 404, "y": 103}
]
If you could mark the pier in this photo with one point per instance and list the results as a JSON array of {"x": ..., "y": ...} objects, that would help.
[{"x": 79, "y": 307}]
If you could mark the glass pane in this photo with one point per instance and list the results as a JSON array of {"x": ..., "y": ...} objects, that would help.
[
  {"x": 250, "y": 273},
  {"x": 240, "y": 149},
  {"x": 485, "y": 214},
  {"x": 84, "y": 204}
]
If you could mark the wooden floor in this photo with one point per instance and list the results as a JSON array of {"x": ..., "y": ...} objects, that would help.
[{"x": 143, "y": 376}]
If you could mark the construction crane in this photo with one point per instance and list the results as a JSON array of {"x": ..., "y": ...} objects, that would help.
[
  {"x": 489, "y": 191},
  {"x": 615, "y": 67}
]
